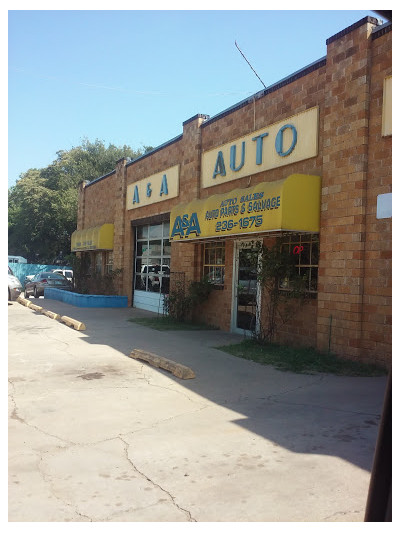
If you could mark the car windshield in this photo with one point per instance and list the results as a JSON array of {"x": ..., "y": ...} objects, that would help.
[{"x": 52, "y": 275}]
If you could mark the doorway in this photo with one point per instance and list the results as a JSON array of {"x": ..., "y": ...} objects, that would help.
[{"x": 246, "y": 290}]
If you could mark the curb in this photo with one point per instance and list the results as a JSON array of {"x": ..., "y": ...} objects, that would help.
[
  {"x": 76, "y": 324},
  {"x": 178, "y": 370}
]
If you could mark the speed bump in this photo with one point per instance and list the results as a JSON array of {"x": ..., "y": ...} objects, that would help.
[{"x": 178, "y": 370}]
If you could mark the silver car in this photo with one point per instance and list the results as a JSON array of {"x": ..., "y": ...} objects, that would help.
[
  {"x": 36, "y": 286},
  {"x": 14, "y": 286}
]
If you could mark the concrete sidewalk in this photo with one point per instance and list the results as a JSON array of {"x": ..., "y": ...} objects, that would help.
[{"x": 113, "y": 439}]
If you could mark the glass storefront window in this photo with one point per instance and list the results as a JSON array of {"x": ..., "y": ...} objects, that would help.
[
  {"x": 305, "y": 247},
  {"x": 98, "y": 262},
  {"x": 155, "y": 232},
  {"x": 109, "y": 262},
  {"x": 214, "y": 262},
  {"x": 152, "y": 258},
  {"x": 142, "y": 232}
]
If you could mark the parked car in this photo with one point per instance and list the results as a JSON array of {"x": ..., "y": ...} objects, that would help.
[
  {"x": 36, "y": 286},
  {"x": 14, "y": 286},
  {"x": 162, "y": 273},
  {"x": 155, "y": 273},
  {"x": 68, "y": 273}
]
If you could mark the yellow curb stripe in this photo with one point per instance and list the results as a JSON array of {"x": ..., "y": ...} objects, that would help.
[{"x": 178, "y": 370}]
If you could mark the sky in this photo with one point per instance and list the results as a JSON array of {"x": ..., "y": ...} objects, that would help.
[{"x": 132, "y": 77}]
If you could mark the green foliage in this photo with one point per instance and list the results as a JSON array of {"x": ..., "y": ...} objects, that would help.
[
  {"x": 283, "y": 286},
  {"x": 42, "y": 205},
  {"x": 167, "y": 323},
  {"x": 180, "y": 302},
  {"x": 88, "y": 281},
  {"x": 300, "y": 360}
]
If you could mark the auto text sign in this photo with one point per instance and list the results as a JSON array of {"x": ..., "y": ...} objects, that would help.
[{"x": 282, "y": 143}]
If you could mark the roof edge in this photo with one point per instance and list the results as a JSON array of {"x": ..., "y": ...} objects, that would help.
[
  {"x": 274, "y": 87},
  {"x": 349, "y": 29}
]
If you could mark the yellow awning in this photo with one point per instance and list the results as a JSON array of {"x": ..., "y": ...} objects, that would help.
[
  {"x": 95, "y": 238},
  {"x": 291, "y": 204}
]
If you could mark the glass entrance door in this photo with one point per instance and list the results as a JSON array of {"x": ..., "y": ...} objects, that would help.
[{"x": 245, "y": 304}]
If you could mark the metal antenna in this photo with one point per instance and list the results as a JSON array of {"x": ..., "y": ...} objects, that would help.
[{"x": 248, "y": 62}]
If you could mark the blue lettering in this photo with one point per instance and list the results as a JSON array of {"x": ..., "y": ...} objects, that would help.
[
  {"x": 194, "y": 226},
  {"x": 219, "y": 165},
  {"x": 135, "y": 199},
  {"x": 183, "y": 226},
  {"x": 279, "y": 140},
  {"x": 259, "y": 146},
  {"x": 148, "y": 190},
  {"x": 164, "y": 186},
  {"x": 233, "y": 157},
  {"x": 177, "y": 228}
]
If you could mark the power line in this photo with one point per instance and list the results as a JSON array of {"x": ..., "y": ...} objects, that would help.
[{"x": 248, "y": 62}]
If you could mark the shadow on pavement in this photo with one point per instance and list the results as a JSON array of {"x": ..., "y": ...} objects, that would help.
[{"x": 307, "y": 414}]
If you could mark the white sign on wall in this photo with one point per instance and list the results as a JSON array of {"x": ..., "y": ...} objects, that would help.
[{"x": 384, "y": 205}]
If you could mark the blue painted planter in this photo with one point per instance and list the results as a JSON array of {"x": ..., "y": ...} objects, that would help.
[{"x": 85, "y": 300}]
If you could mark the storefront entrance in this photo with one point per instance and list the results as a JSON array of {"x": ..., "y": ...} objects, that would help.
[{"x": 246, "y": 290}]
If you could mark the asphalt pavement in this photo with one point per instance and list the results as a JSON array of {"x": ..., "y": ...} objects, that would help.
[{"x": 95, "y": 436}]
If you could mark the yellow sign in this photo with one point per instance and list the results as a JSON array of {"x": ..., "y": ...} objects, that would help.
[
  {"x": 96, "y": 238},
  {"x": 291, "y": 204},
  {"x": 282, "y": 143},
  {"x": 155, "y": 188},
  {"x": 387, "y": 107}
]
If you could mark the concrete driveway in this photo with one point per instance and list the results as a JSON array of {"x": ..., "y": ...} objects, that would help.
[{"x": 96, "y": 436}]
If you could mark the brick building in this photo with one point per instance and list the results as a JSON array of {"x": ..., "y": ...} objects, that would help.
[{"x": 307, "y": 159}]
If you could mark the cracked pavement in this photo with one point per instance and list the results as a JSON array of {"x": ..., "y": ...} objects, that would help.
[{"x": 95, "y": 436}]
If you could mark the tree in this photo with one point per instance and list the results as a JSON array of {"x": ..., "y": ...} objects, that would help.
[{"x": 42, "y": 205}]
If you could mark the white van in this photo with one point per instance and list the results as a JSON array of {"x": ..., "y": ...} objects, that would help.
[
  {"x": 69, "y": 274},
  {"x": 16, "y": 259}
]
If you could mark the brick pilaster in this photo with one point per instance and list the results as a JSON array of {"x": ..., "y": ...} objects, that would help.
[
  {"x": 344, "y": 190},
  {"x": 80, "y": 222},
  {"x": 185, "y": 255},
  {"x": 119, "y": 221}
]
